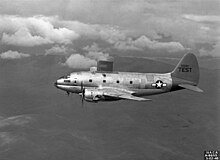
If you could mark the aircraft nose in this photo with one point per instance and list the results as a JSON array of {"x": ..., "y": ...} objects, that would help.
[{"x": 55, "y": 84}]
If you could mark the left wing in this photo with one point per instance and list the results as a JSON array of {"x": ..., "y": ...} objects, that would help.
[{"x": 121, "y": 93}]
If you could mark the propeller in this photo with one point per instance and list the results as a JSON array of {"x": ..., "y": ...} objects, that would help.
[{"x": 83, "y": 93}]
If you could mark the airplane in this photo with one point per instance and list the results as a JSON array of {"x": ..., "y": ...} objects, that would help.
[{"x": 94, "y": 86}]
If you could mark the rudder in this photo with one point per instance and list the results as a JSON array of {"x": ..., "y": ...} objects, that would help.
[{"x": 187, "y": 69}]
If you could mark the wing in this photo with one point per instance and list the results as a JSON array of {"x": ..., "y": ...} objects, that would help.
[
  {"x": 121, "y": 93},
  {"x": 131, "y": 97}
]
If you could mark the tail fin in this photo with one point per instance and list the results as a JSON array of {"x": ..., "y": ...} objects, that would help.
[{"x": 187, "y": 72}]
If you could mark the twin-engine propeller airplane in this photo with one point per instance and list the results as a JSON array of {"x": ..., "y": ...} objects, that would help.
[{"x": 97, "y": 86}]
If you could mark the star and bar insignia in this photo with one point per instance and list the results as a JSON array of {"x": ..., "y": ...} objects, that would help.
[{"x": 159, "y": 84}]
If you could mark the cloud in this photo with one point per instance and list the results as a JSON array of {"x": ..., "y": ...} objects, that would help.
[
  {"x": 13, "y": 55},
  {"x": 80, "y": 61},
  {"x": 7, "y": 138},
  {"x": 85, "y": 61},
  {"x": 59, "y": 50},
  {"x": 33, "y": 31},
  {"x": 169, "y": 26},
  {"x": 108, "y": 33},
  {"x": 144, "y": 42},
  {"x": 112, "y": 34},
  {"x": 202, "y": 18},
  {"x": 20, "y": 120},
  {"x": 23, "y": 37},
  {"x": 126, "y": 45},
  {"x": 214, "y": 52},
  {"x": 98, "y": 55},
  {"x": 95, "y": 52},
  {"x": 94, "y": 48},
  {"x": 40, "y": 30}
]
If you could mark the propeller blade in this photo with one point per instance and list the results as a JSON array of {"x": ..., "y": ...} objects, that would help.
[
  {"x": 82, "y": 101},
  {"x": 81, "y": 86},
  {"x": 83, "y": 93}
]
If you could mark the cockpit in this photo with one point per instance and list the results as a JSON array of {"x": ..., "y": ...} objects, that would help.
[
  {"x": 63, "y": 80},
  {"x": 65, "y": 77}
]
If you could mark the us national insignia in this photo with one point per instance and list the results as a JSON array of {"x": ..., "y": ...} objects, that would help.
[{"x": 159, "y": 84}]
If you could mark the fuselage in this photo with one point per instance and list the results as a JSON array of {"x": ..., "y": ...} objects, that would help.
[
  {"x": 106, "y": 86},
  {"x": 143, "y": 84}
]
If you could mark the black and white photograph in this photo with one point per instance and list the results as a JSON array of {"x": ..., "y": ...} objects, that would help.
[{"x": 109, "y": 79}]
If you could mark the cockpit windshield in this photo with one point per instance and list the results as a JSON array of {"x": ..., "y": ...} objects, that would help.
[{"x": 65, "y": 77}]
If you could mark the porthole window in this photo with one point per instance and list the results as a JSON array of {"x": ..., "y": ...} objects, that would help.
[
  {"x": 90, "y": 80},
  {"x": 104, "y": 75},
  {"x": 117, "y": 81},
  {"x": 131, "y": 82},
  {"x": 104, "y": 81}
]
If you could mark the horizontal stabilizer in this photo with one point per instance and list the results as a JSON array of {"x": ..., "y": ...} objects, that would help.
[{"x": 191, "y": 87}]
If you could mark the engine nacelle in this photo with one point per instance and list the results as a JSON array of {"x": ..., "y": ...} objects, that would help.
[{"x": 93, "y": 95}]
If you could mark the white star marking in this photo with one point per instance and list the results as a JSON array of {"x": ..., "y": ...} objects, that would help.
[{"x": 159, "y": 84}]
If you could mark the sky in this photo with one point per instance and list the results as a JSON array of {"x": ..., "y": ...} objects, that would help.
[{"x": 88, "y": 30}]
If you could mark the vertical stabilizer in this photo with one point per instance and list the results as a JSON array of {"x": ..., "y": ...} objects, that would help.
[{"x": 187, "y": 69}]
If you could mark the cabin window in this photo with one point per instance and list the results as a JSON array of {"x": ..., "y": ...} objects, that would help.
[
  {"x": 131, "y": 82},
  {"x": 104, "y": 75},
  {"x": 75, "y": 81},
  {"x": 104, "y": 81},
  {"x": 117, "y": 81},
  {"x": 90, "y": 80},
  {"x": 68, "y": 81}
]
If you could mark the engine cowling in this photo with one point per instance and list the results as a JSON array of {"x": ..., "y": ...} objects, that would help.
[{"x": 93, "y": 95}]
